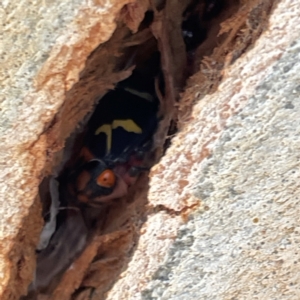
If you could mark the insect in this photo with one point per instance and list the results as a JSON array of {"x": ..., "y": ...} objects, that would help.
[{"x": 118, "y": 136}]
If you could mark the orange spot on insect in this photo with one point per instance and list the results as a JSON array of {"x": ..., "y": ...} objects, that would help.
[
  {"x": 106, "y": 179},
  {"x": 83, "y": 180}
]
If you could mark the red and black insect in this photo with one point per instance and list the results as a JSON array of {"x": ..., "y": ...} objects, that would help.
[{"x": 118, "y": 136}]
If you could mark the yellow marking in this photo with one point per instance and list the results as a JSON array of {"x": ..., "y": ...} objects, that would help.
[
  {"x": 128, "y": 125},
  {"x": 107, "y": 129}
]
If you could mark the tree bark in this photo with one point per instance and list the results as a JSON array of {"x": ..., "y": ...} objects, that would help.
[{"x": 222, "y": 217}]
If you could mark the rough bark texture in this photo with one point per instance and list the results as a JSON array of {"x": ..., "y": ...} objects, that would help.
[
  {"x": 44, "y": 47},
  {"x": 223, "y": 202}
]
